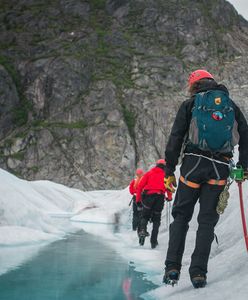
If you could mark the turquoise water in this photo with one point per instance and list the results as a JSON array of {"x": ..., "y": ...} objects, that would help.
[{"x": 79, "y": 267}]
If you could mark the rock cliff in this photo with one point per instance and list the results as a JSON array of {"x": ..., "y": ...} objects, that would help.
[{"x": 89, "y": 89}]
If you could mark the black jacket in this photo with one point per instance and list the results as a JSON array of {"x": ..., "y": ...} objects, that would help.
[{"x": 180, "y": 130}]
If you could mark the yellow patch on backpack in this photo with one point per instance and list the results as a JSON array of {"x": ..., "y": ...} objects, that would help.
[{"x": 217, "y": 101}]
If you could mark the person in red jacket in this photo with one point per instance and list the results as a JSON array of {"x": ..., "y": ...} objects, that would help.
[
  {"x": 132, "y": 189},
  {"x": 150, "y": 196}
]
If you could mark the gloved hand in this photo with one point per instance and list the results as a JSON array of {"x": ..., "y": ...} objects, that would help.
[
  {"x": 168, "y": 199},
  {"x": 139, "y": 206},
  {"x": 170, "y": 182}
]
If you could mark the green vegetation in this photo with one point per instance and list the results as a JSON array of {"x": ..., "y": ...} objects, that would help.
[
  {"x": 16, "y": 173},
  {"x": 102, "y": 49},
  {"x": 18, "y": 155},
  {"x": 8, "y": 45},
  {"x": 98, "y": 4},
  {"x": 34, "y": 169},
  {"x": 130, "y": 120},
  {"x": 73, "y": 125},
  {"x": 20, "y": 113},
  {"x": 21, "y": 134},
  {"x": 4, "y": 61},
  {"x": 8, "y": 143}
]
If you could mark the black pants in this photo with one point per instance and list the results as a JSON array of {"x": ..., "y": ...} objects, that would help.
[
  {"x": 198, "y": 170},
  {"x": 136, "y": 215},
  {"x": 152, "y": 207}
]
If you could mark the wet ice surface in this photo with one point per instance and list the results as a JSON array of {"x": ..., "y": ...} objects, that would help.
[
  {"x": 36, "y": 213},
  {"x": 78, "y": 267}
]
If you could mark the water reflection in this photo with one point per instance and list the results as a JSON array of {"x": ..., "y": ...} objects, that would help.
[
  {"x": 79, "y": 267},
  {"x": 116, "y": 222}
]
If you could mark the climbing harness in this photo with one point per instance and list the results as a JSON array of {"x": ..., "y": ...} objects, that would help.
[{"x": 209, "y": 158}]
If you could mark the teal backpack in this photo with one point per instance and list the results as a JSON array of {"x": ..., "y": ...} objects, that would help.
[{"x": 213, "y": 127}]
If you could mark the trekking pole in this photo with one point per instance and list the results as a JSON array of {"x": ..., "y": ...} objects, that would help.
[
  {"x": 243, "y": 214},
  {"x": 168, "y": 209},
  {"x": 238, "y": 175},
  {"x": 169, "y": 214},
  {"x": 130, "y": 202}
]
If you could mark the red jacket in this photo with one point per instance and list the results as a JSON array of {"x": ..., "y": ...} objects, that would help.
[
  {"x": 133, "y": 185},
  {"x": 153, "y": 183}
]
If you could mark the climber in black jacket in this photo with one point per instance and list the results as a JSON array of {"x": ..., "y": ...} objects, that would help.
[{"x": 204, "y": 172}]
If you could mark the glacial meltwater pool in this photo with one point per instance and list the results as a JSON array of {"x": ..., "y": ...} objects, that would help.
[{"x": 75, "y": 268}]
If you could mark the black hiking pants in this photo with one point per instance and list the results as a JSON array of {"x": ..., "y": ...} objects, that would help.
[
  {"x": 153, "y": 205},
  {"x": 136, "y": 215},
  {"x": 196, "y": 170}
]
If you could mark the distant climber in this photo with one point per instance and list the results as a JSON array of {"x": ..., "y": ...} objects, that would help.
[
  {"x": 133, "y": 189},
  {"x": 151, "y": 195}
]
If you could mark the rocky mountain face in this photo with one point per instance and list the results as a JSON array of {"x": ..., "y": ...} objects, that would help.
[{"x": 89, "y": 89}]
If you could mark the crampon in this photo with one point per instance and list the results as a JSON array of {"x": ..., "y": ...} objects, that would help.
[
  {"x": 171, "y": 277},
  {"x": 142, "y": 236}
]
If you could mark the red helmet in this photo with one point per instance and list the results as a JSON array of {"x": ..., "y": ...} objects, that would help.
[
  {"x": 160, "y": 162},
  {"x": 197, "y": 75},
  {"x": 139, "y": 172}
]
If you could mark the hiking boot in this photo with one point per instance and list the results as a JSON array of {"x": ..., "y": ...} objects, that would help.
[
  {"x": 154, "y": 244},
  {"x": 142, "y": 236},
  {"x": 199, "y": 281},
  {"x": 171, "y": 277}
]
